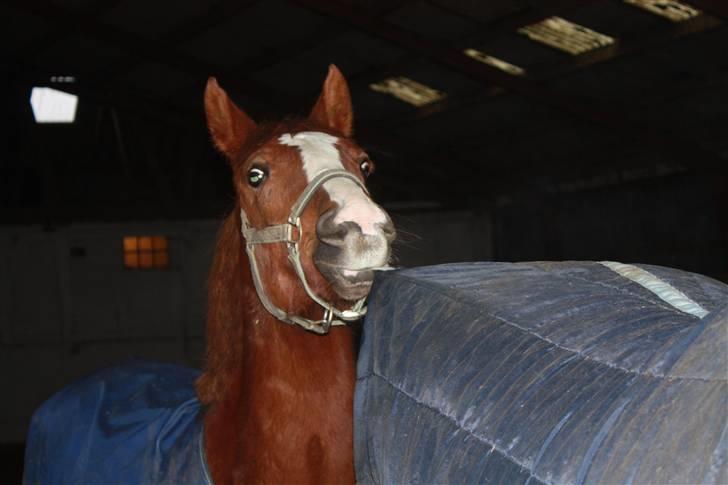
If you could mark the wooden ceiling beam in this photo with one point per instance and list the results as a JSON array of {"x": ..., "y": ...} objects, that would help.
[
  {"x": 224, "y": 10},
  {"x": 217, "y": 13},
  {"x": 284, "y": 53},
  {"x": 149, "y": 50},
  {"x": 584, "y": 109},
  {"x": 59, "y": 32},
  {"x": 625, "y": 47},
  {"x": 535, "y": 11},
  {"x": 715, "y": 7}
]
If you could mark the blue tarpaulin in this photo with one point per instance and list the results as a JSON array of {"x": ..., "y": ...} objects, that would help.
[
  {"x": 139, "y": 423},
  {"x": 543, "y": 373}
]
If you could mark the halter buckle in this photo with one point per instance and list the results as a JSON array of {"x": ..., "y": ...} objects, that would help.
[
  {"x": 328, "y": 319},
  {"x": 293, "y": 224}
]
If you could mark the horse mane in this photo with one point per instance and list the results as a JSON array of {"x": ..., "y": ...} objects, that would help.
[{"x": 226, "y": 301}]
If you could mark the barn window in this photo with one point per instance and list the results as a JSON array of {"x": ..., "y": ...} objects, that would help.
[
  {"x": 566, "y": 36},
  {"x": 670, "y": 9},
  {"x": 146, "y": 252},
  {"x": 408, "y": 90},
  {"x": 53, "y": 106}
]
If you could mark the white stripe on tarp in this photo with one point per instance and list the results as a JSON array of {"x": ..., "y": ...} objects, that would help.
[{"x": 663, "y": 290}]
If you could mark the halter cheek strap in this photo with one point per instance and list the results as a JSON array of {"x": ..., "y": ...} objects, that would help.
[{"x": 290, "y": 233}]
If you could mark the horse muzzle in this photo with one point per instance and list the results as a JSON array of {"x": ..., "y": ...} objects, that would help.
[
  {"x": 290, "y": 233},
  {"x": 347, "y": 257}
]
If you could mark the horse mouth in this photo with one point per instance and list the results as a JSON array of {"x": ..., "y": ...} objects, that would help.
[{"x": 349, "y": 284}]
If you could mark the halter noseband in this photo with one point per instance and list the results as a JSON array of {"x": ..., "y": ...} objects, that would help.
[{"x": 290, "y": 233}]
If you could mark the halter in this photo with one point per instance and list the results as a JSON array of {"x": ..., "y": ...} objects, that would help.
[{"x": 290, "y": 233}]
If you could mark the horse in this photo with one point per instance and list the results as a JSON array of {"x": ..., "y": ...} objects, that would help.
[
  {"x": 279, "y": 398},
  {"x": 294, "y": 262}
]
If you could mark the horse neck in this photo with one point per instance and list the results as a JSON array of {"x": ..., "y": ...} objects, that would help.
[{"x": 279, "y": 398}]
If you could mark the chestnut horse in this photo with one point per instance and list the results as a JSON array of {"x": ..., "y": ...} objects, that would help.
[{"x": 294, "y": 261}]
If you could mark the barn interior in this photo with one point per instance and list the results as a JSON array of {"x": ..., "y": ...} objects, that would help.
[{"x": 509, "y": 130}]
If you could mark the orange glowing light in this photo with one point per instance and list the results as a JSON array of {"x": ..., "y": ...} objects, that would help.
[{"x": 146, "y": 252}]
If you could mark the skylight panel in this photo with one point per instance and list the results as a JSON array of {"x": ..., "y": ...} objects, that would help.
[
  {"x": 566, "y": 36},
  {"x": 408, "y": 90},
  {"x": 495, "y": 62},
  {"x": 53, "y": 106},
  {"x": 669, "y": 9}
]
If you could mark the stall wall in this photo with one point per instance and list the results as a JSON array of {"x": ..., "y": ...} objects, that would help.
[{"x": 68, "y": 306}]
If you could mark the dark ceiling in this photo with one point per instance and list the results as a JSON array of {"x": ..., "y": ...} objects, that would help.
[{"x": 654, "y": 104}]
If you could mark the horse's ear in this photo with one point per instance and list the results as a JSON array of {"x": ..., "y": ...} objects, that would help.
[
  {"x": 333, "y": 108},
  {"x": 228, "y": 124}
]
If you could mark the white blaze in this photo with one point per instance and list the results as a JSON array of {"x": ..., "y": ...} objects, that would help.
[{"x": 319, "y": 153}]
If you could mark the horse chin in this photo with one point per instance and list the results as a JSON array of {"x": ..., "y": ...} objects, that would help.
[
  {"x": 353, "y": 292},
  {"x": 351, "y": 285}
]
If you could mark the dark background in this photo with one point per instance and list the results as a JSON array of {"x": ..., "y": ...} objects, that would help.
[{"x": 617, "y": 154}]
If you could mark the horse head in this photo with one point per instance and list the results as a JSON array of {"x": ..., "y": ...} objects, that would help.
[{"x": 311, "y": 230}]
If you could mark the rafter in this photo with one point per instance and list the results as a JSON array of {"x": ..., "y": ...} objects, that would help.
[
  {"x": 716, "y": 7},
  {"x": 527, "y": 14},
  {"x": 330, "y": 34},
  {"x": 216, "y": 14},
  {"x": 498, "y": 27},
  {"x": 223, "y": 10},
  {"x": 627, "y": 46},
  {"x": 60, "y": 31},
  {"x": 590, "y": 110},
  {"x": 150, "y": 50}
]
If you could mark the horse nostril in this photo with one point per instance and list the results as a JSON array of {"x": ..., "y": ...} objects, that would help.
[
  {"x": 330, "y": 232},
  {"x": 390, "y": 233}
]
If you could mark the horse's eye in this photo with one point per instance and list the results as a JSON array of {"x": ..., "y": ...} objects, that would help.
[
  {"x": 365, "y": 167},
  {"x": 256, "y": 176}
]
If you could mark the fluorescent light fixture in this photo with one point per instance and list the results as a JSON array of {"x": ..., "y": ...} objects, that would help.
[
  {"x": 566, "y": 36},
  {"x": 669, "y": 9},
  {"x": 409, "y": 91},
  {"x": 495, "y": 62},
  {"x": 53, "y": 106}
]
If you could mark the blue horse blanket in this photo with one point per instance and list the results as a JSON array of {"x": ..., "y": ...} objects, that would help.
[
  {"x": 134, "y": 424},
  {"x": 528, "y": 373}
]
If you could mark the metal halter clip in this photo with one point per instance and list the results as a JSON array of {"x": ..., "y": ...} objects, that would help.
[
  {"x": 294, "y": 223},
  {"x": 328, "y": 319}
]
